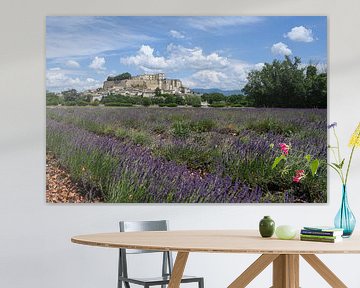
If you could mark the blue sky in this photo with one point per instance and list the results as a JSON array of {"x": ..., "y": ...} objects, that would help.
[{"x": 202, "y": 51}]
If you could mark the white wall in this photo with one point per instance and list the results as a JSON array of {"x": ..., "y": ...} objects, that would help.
[{"x": 35, "y": 248}]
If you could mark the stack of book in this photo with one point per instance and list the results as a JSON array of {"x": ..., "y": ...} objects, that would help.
[{"x": 321, "y": 234}]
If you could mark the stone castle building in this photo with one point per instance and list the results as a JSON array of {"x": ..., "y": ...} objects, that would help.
[{"x": 146, "y": 85}]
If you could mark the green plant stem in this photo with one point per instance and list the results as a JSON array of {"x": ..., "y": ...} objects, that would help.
[
  {"x": 348, "y": 166},
  {"x": 338, "y": 160},
  {"x": 339, "y": 171},
  {"x": 333, "y": 152},
  {"x": 338, "y": 145}
]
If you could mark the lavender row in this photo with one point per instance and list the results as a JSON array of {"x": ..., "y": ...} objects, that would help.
[{"x": 148, "y": 179}]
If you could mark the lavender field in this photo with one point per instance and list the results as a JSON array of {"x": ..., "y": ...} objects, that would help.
[{"x": 192, "y": 155}]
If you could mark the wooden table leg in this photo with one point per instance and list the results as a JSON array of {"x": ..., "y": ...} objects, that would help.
[
  {"x": 178, "y": 269},
  {"x": 253, "y": 270},
  {"x": 324, "y": 271},
  {"x": 286, "y": 271}
]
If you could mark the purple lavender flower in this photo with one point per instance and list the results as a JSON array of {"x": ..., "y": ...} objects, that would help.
[{"x": 332, "y": 125}]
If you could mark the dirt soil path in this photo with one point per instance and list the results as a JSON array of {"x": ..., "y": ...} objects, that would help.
[{"x": 59, "y": 186}]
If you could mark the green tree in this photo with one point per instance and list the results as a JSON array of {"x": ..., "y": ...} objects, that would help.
[
  {"x": 71, "y": 96},
  {"x": 157, "y": 100},
  {"x": 316, "y": 88},
  {"x": 119, "y": 77},
  {"x": 171, "y": 98},
  {"x": 193, "y": 100},
  {"x": 283, "y": 84},
  {"x": 146, "y": 102},
  {"x": 238, "y": 100},
  {"x": 213, "y": 97},
  {"x": 52, "y": 99},
  {"x": 157, "y": 92}
]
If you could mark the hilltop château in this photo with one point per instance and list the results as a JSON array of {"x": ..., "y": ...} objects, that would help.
[{"x": 145, "y": 85}]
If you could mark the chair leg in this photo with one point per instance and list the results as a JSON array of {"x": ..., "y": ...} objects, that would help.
[{"x": 201, "y": 283}]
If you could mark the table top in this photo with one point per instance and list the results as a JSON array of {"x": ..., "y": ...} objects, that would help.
[{"x": 216, "y": 241}]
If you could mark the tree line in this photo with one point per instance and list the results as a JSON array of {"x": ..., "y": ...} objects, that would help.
[
  {"x": 287, "y": 84},
  {"x": 73, "y": 98}
]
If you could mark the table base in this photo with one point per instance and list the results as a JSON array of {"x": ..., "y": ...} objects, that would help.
[{"x": 285, "y": 271}]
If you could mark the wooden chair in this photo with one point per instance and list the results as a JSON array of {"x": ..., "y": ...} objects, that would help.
[{"x": 167, "y": 265}]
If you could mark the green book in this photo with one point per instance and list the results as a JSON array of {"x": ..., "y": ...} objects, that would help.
[
  {"x": 323, "y": 228},
  {"x": 319, "y": 236},
  {"x": 325, "y": 240}
]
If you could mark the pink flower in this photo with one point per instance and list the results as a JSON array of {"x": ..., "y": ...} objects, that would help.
[
  {"x": 299, "y": 174},
  {"x": 284, "y": 148}
]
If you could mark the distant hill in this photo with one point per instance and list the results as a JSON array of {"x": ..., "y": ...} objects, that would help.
[{"x": 216, "y": 90}]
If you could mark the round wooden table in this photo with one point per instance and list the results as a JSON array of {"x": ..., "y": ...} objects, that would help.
[{"x": 284, "y": 254}]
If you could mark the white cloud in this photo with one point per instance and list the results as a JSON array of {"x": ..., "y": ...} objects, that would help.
[
  {"x": 58, "y": 79},
  {"x": 193, "y": 58},
  {"x": 207, "y": 23},
  {"x": 178, "y": 58},
  {"x": 91, "y": 80},
  {"x": 209, "y": 76},
  {"x": 146, "y": 60},
  {"x": 232, "y": 77},
  {"x": 210, "y": 70},
  {"x": 176, "y": 34},
  {"x": 280, "y": 49},
  {"x": 98, "y": 63},
  {"x": 72, "y": 64},
  {"x": 300, "y": 34}
]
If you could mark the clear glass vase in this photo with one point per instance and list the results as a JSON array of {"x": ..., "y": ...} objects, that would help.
[{"x": 345, "y": 219}]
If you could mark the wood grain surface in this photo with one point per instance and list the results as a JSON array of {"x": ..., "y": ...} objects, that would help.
[{"x": 216, "y": 241}]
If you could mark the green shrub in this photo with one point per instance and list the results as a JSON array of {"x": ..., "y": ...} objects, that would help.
[
  {"x": 82, "y": 103},
  {"x": 218, "y": 104},
  {"x": 140, "y": 138},
  {"x": 132, "y": 123},
  {"x": 171, "y": 105},
  {"x": 146, "y": 102},
  {"x": 70, "y": 103},
  {"x": 159, "y": 129},
  {"x": 203, "y": 125},
  {"x": 95, "y": 103},
  {"x": 272, "y": 125},
  {"x": 181, "y": 129},
  {"x": 193, "y": 157},
  {"x": 121, "y": 133},
  {"x": 120, "y": 104}
]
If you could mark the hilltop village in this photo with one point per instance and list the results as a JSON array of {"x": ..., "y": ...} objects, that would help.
[{"x": 146, "y": 85}]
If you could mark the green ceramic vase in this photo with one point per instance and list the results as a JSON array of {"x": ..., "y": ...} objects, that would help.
[{"x": 267, "y": 227}]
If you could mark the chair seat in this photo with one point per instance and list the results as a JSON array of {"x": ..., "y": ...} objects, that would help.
[{"x": 158, "y": 280}]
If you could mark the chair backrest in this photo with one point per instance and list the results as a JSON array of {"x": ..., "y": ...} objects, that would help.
[{"x": 137, "y": 226}]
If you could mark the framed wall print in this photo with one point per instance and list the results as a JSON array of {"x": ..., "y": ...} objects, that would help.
[{"x": 163, "y": 109}]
